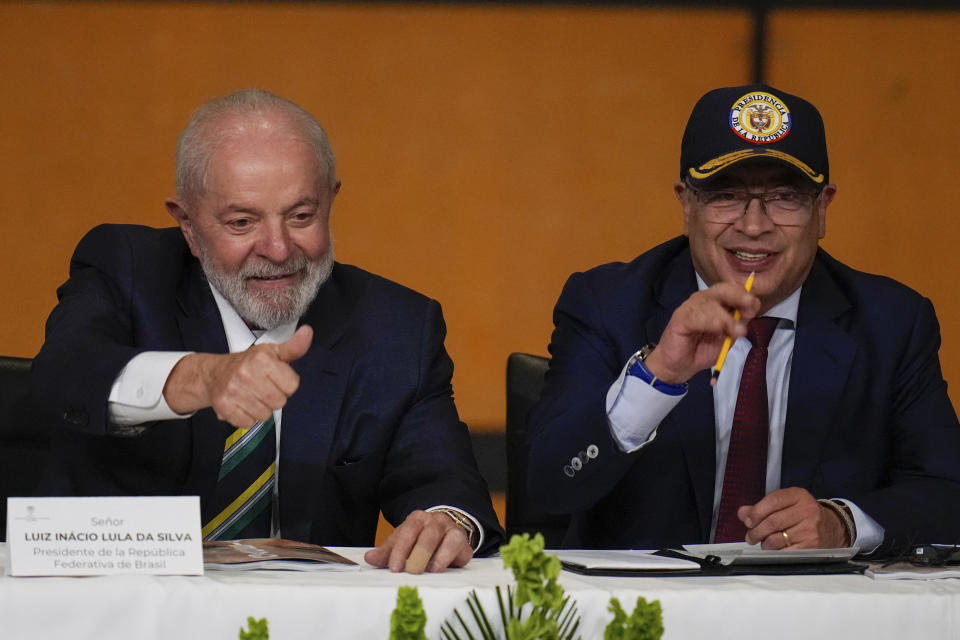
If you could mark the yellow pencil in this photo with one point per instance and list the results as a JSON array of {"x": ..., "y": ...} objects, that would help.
[{"x": 729, "y": 341}]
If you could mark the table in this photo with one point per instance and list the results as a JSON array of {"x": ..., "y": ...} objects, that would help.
[{"x": 357, "y": 604}]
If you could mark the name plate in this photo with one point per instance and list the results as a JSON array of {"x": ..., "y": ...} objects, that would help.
[{"x": 104, "y": 536}]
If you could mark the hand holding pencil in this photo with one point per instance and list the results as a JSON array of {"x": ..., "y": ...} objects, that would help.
[
  {"x": 728, "y": 341},
  {"x": 698, "y": 329}
]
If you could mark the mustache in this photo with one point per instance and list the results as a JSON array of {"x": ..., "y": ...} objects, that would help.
[{"x": 267, "y": 269}]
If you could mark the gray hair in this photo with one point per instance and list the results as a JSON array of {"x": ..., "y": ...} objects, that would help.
[{"x": 200, "y": 138}]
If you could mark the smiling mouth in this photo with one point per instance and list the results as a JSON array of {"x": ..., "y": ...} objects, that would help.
[
  {"x": 279, "y": 281},
  {"x": 277, "y": 277},
  {"x": 746, "y": 255}
]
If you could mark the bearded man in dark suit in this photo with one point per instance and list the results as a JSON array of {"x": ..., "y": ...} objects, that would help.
[{"x": 174, "y": 353}]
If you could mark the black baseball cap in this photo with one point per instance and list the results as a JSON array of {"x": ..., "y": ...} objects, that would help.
[{"x": 733, "y": 124}]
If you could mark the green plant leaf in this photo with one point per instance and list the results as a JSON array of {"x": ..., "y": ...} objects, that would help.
[
  {"x": 258, "y": 630},
  {"x": 480, "y": 617},
  {"x": 536, "y": 608},
  {"x": 408, "y": 619},
  {"x": 535, "y": 572},
  {"x": 645, "y": 623}
]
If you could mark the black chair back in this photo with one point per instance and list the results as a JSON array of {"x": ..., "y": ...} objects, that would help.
[
  {"x": 24, "y": 438},
  {"x": 525, "y": 374}
]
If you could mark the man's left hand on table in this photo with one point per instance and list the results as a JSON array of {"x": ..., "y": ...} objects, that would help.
[{"x": 425, "y": 541}]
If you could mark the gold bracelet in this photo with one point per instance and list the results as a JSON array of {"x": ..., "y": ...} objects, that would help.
[
  {"x": 464, "y": 523},
  {"x": 846, "y": 518}
]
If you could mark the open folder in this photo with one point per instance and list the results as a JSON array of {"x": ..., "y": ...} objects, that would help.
[
  {"x": 272, "y": 553},
  {"x": 711, "y": 560}
]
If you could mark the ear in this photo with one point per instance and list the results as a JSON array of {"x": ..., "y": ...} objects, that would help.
[
  {"x": 333, "y": 195},
  {"x": 179, "y": 213},
  {"x": 680, "y": 191},
  {"x": 826, "y": 197}
]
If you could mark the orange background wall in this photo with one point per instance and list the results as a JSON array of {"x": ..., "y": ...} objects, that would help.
[{"x": 486, "y": 152}]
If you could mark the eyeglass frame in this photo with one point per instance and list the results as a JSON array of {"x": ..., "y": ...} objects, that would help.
[{"x": 751, "y": 196}]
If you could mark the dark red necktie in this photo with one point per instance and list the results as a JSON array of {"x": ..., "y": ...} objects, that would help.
[{"x": 745, "y": 476}]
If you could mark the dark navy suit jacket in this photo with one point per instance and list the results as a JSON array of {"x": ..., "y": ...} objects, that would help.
[
  {"x": 868, "y": 417},
  {"x": 372, "y": 426}
]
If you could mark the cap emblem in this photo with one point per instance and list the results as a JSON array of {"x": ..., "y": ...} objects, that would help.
[{"x": 760, "y": 117}]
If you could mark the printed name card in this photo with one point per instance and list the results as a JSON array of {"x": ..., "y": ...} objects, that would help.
[{"x": 104, "y": 536}]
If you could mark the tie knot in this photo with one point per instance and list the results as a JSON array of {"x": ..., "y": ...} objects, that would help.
[{"x": 760, "y": 330}]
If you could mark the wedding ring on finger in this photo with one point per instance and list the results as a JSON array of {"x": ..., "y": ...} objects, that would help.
[{"x": 786, "y": 538}]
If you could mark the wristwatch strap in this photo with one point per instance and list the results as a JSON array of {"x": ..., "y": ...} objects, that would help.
[{"x": 638, "y": 369}]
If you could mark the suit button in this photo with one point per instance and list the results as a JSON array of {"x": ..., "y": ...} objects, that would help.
[
  {"x": 567, "y": 469},
  {"x": 593, "y": 451},
  {"x": 576, "y": 464}
]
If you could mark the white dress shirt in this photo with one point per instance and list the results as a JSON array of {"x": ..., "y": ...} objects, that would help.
[{"x": 635, "y": 409}]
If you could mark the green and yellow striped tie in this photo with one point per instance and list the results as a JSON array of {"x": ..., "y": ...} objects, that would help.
[{"x": 243, "y": 497}]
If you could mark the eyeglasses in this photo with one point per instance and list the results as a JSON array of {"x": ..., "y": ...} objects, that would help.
[{"x": 786, "y": 207}]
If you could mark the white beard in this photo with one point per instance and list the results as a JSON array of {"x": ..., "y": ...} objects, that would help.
[{"x": 269, "y": 309}]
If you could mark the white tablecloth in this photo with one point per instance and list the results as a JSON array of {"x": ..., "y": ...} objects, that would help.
[{"x": 357, "y": 604}]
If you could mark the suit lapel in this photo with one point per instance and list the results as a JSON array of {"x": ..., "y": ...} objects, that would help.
[
  {"x": 197, "y": 315},
  {"x": 822, "y": 356},
  {"x": 676, "y": 284},
  {"x": 694, "y": 424},
  {"x": 310, "y": 417},
  {"x": 202, "y": 331}
]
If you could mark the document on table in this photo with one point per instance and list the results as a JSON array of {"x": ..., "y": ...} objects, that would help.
[
  {"x": 743, "y": 553},
  {"x": 711, "y": 560},
  {"x": 272, "y": 553},
  {"x": 627, "y": 560},
  {"x": 907, "y": 571}
]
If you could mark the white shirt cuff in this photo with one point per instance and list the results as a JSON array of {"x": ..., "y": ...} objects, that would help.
[
  {"x": 635, "y": 409},
  {"x": 137, "y": 394}
]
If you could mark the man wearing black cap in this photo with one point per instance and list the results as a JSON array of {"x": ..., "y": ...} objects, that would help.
[{"x": 830, "y": 425}]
